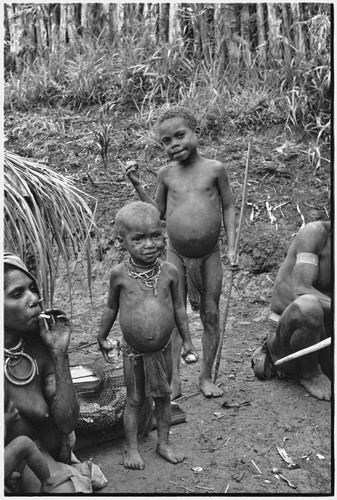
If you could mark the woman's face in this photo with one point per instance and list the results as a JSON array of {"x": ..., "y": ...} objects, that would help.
[{"x": 21, "y": 306}]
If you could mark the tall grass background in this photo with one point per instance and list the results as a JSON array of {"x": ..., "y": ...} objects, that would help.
[{"x": 139, "y": 74}]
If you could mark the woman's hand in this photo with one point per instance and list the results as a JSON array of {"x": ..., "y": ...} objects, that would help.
[{"x": 55, "y": 330}]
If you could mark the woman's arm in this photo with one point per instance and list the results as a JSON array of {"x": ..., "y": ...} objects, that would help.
[{"x": 57, "y": 384}]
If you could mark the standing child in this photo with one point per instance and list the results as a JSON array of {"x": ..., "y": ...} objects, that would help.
[
  {"x": 193, "y": 193},
  {"x": 146, "y": 293}
]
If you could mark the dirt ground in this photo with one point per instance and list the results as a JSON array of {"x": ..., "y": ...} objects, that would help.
[{"x": 230, "y": 442}]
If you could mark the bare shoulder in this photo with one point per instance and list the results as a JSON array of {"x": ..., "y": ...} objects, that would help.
[
  {"x": 216, "y": 166},
  {"x": 313, "y": 237},
  {"x": 169, "y": 269},
  {"x": 165, "y": 171},
  {"x": 117, "y": 271}
]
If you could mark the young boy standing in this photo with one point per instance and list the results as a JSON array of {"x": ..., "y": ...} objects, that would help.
[
  {"x": 145, "y": 292},
  {"x": 193, "y": 194}
]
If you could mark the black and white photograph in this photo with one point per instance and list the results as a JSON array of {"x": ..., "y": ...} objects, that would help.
[{"x": 168, "y": 197}]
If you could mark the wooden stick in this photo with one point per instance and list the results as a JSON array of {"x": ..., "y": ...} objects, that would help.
[
  {"x": 222, "y": 332},
  {"x": 306, "y": 350}
]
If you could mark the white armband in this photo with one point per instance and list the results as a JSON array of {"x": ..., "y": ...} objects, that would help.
[{"x": 307, "y": 258}]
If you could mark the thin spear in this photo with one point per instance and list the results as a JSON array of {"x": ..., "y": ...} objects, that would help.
[{"x": 236, "y": 248}]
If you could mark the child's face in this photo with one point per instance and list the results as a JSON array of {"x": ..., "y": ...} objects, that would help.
[
  {"x": 144, "y": 241},
  {"x": 179, "y": 140}
]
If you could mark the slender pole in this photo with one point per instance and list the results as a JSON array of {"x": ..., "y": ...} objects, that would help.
[
  {"x": 236, "y": 248},
  {"x": 306, "y": 350}
]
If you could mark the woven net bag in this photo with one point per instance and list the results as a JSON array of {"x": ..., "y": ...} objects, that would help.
[{"x": 102, "y": 408}]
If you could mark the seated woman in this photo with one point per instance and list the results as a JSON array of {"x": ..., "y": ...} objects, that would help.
[{"x": 37, "y": 377}]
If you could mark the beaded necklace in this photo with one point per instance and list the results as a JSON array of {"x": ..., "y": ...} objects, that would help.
[
  {"x": 149, "y": 277},
  {"x": 13, "y": 357}
]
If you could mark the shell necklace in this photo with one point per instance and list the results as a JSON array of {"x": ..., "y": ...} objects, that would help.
[
  {"x": 149, "y": 277},
  {"x": 13, "y": 357}
]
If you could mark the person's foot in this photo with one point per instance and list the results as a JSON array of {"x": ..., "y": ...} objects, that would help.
[
  {"x": 132, "y": 459},
  {"x": 169, "y": 453},
  {"x": 209, "y": 389},
  {"x": 176, "y": 388},
  {"x": 318, "y": 385}
]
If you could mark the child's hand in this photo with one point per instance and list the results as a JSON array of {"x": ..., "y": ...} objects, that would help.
[
  {"x": 189, "y": 354},
  {"x": 233, "y": 260},
  {"x": 131, "y": 170},
  {"x": 106, "y": 346},
  {"x": 12, "y": 414}
]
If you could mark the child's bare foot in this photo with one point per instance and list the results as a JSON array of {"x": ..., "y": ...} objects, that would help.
[
  {"x": 209, "y": 389},
  {"x": 169, "y": 453},
  {"x": 132, "y": 459},
  {"x": 318, "y": 385}
]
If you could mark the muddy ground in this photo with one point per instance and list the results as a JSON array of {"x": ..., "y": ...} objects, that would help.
[{"x": 230, "y": 442}]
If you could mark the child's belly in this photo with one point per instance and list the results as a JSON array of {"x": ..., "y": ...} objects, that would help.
[
  {"x": 147, "y": 324},
  {"x": 194, "y": 230}
]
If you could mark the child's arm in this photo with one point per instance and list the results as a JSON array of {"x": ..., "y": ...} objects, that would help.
[
  {"x": 159, "y": 202},
  {"x": 180, "y": 317},
  {"x": 109, "y": 316},
  {"x": 228, "y": 213}
]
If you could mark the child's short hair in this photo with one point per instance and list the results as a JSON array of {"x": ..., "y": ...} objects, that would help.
[
  {"x": 180, "y": 112},
  {"x": 132, "y": 213}
]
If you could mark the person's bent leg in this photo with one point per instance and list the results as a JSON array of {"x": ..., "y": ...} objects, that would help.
[
  {"x": 23, "y": 448},
  {"x": 302, "y": 325},
  {"x": 176, "y": 339},
  {"x": 134, "y": 381},
  {"x": 31, "y": 484},
  {"x": 209, "y": 314}
]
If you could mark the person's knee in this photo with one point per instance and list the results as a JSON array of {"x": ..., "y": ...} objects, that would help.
[
  {"x": 23, "y": 446},
  {"x": 310, "y": 311},
  {"x": 135, "y": 400},
  {"x": 210, "y": 315}
]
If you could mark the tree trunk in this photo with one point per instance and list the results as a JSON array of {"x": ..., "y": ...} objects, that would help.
[
  {"x": 117, "y": 18},
  {"x": 274, "y": 31},
  {"x": 298, "y": 34},
  {"x": 71, "y": 23},
  {"x": 54, "y": 27},
  {"x": 286, "y": 35},
  {"x": 231, "y": 33},
  {"x": 104, "y": 21},
  {"x": 164, "y": 10},
  {"x": 15, "y": 34},
  {"x": 261, "y": 34},
  {"x": 245, "y": 34},
  {"x": 174, "y": 24},
  {"x": 63, "y": 24},
  {"x": 41, "y": 32},
  {"x": 149, "y": 19}
]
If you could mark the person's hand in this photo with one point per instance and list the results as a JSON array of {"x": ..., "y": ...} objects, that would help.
[
  {"x": 131, "y": 170},
  {"x": 65, "y": 452},
  {"x": 189, "y": 353},
  {"x": 55, "y": 330},
  {"x": 12, "y": 414},
  {"x": 233, "y": 260},
  {"x": 105, "y": 347}
]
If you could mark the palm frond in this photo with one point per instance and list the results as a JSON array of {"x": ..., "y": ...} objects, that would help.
[{"x": 46, "y": 217}]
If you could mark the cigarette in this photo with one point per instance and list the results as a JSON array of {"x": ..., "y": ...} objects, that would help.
[
  {"x": 41, "y": 300},
  {"x": 46, "y": 316}
]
